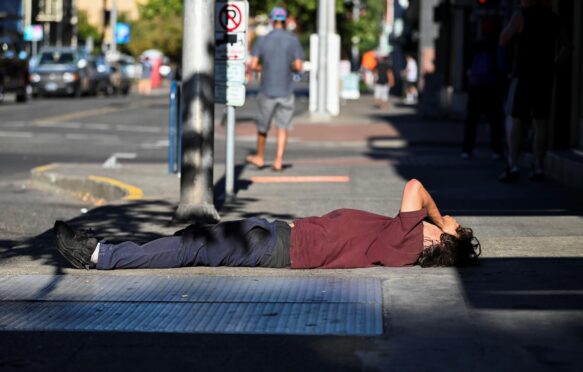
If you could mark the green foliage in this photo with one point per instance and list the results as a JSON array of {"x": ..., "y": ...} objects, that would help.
[
  {"x": 159, "y": 27},
  {"x": 160, "y": 8},
  {"x": 86, "y": 30},
  {"x": 160, "y": 23},
  {"x": 305, "y": 12}
]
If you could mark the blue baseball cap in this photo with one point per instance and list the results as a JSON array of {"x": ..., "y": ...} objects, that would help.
[{"x": 278, "y": 14}]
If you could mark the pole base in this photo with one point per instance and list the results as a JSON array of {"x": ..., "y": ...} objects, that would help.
[{"x": 200, "y": 213}]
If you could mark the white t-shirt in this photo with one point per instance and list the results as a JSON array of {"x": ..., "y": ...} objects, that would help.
[{"x": 411, "y": 70}]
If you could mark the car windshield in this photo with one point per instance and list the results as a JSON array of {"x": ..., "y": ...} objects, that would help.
[{"x": 56, "y": 58}]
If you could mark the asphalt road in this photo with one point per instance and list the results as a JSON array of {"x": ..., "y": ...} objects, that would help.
[{"x": 90, "y": 130}]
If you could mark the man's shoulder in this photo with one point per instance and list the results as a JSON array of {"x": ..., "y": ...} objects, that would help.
[{"x": 280, "y": 35}]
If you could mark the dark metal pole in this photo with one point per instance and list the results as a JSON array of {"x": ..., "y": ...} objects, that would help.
[{"x": 198, "y": 89}]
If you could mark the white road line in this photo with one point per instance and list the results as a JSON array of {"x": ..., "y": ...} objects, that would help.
[
  {"x": 98, "y": 126},
  {"x": 16, "y": 134},
  {"x": 92, "y": 137},
  {"x": 66, "y": 125},
  {"x": 15, "y": 124},
  {"x": 137, "y": 128},
  {"x": 156, "y": 145}
]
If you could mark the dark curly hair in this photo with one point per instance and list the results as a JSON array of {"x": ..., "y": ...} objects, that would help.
[{"x": 452, "y": 251}]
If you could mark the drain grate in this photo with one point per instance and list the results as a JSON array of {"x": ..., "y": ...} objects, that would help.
[{"x": 252, "y": 305}]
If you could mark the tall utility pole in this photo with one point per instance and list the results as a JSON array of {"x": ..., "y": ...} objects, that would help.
[
  {"x": 112, "y": 24},
  {"x": 322, "y": 57},
  {"x": 198, "y": 102},
  {"x": 355, "y": 41},
  {"x": 325, "y": 55}
]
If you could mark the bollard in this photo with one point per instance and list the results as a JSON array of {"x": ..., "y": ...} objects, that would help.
[{"x": 172, "y": 130}]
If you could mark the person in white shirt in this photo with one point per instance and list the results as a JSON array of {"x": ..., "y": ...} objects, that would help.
[{"x": 410, "y": 75}]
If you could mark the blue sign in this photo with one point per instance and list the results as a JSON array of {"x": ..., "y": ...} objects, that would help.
[
  {"x": 122, "y": 33},
  {"x": 33, "y": 33}
]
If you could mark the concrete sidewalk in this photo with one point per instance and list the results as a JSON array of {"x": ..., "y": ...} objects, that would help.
[{"x": 521, "y": 309}]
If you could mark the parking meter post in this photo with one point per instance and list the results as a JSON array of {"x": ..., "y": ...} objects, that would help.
[
  {"x": 198, "y": 80},
  {"x": 230, "y": 156},
  {"x": 178, "y": 127},
  {"x": 172, "y": 130}
]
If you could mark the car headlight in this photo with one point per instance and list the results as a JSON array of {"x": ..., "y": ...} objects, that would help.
[
  {"x": 69, "y": 77},
  {"x": 35, "y": 78}
]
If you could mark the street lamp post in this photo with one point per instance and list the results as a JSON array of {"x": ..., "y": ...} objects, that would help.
[{"x": 198, "y": 102}]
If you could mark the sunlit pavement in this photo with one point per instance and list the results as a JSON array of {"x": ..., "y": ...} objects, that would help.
[{"x": 520, "y": 309}]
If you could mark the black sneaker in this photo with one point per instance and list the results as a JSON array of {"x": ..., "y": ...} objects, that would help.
[
  {"x": 76, "y": 246},
  {"x": 509, "y": 175},
  {"x": 536, "y": 176}
]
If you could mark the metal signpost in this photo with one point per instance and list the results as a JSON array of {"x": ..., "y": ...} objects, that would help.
[{"x": 231, "y": 19}]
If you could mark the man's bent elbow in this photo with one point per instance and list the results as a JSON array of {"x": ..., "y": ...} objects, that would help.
[{"x": 413, "y": 184}]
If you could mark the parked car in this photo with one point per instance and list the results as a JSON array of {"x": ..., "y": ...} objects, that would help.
[
  {"x": 13, "y": 68},
  {"x": 120, "y": 77},
  {"x": 101, "y": 78},
  {"x": 61, "y": 71}
]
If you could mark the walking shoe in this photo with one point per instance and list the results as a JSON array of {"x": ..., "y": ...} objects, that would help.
[
  {"x": 509, "y": 175},
  {"x": 536, "y": 176},
  {"x": 76, "y": 246}
]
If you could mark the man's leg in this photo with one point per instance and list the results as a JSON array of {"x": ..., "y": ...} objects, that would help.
[
  {"x": 376, "y": 93},
  {"x": 495, "y": 115},
  {"x": 284, "y": 113},
  {"x": 258, "y": 158},
  {"x": 514, "y": 143},
  {"x": 161, "y": 253},
  {"x": 265, "y": 111},
  {"x": 384, "y": 97},
  {"x": 471, "y": 123},
  {"x": 281, "y": 144},
  {"x": 540, "y": 144}
]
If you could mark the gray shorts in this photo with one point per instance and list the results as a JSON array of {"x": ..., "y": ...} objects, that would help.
[{"x": 280, "y": 109}]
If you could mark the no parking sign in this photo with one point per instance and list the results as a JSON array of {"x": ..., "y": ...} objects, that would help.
[
  {"x": 232, "y": 16},
  {"x": 231, "y": 19}
]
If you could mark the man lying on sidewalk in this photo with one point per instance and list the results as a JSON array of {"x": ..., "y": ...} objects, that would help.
[{"x": 344, "y": 238}]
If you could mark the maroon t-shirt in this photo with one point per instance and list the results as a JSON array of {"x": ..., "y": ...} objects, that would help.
[{"x": 350, "y": 238}]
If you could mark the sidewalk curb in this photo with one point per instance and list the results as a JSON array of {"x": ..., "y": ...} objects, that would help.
[{"x": 99, "y": 190}]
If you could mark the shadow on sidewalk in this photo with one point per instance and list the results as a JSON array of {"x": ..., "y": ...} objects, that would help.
[
  {"x": 466, "y": 187},
  {"x": 139, "y": 221},
  {"x": 524, "y": 283}
]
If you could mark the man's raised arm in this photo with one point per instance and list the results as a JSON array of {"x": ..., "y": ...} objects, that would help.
[{"x": 416, "y": 197}]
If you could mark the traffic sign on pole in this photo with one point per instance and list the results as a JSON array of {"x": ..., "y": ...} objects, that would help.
[
  {"x": 231, "y": 71},
  {"x": 231, "y": 46},
  {"x": 231, "y": 19},
  {"x": 232, "y": 16},
  {"x": 230, "y": 94}
]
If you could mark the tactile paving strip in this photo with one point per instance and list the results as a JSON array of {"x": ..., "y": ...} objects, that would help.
[{"x": 201, "y": 304}]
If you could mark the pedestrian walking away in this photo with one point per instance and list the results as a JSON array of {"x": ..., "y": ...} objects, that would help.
[
  {"x": 385, "y": 79},
  {"x": 410, "y": 75},
  {"x": 484, "y": 97},
  {"x": 535, "y": 29},
  {"x": 344, "y": 238},
  {"x": 278, "y": 55}
]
